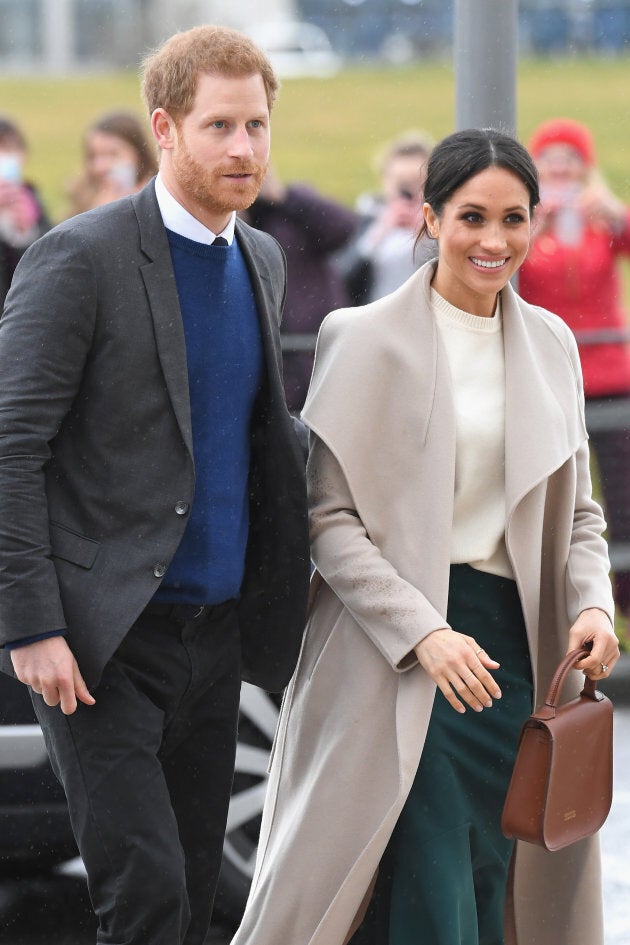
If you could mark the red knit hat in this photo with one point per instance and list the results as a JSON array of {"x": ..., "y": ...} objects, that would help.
[{"x": 563, "y": 131}]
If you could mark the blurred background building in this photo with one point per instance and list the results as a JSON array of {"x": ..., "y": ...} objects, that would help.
[{"x": 62, "y": 36}]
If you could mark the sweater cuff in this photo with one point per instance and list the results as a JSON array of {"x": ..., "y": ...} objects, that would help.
[{"x": 26, "y": 641}]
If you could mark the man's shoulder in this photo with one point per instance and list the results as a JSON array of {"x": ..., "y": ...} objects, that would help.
[
  {"x": 94, "y": 226},
  {"x": 258, "y": 240},
  {"x": 123, "y": 232},
  {"x": 102, "y": 222}
]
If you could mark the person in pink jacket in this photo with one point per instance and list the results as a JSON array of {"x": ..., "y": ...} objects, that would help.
[{"x": 581, "y": 230}]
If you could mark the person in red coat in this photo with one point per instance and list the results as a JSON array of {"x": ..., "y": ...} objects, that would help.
[{"x": 581, "y": 230}]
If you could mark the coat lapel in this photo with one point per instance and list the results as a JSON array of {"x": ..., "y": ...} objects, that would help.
[
  {"x": 159, "y": 281},
  {"x": 381, "y": 400},
  {"x": 543, "y": 424}
]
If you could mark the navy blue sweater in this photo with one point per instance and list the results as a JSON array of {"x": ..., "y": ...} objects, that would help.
[{"x": 225, "y": 361}]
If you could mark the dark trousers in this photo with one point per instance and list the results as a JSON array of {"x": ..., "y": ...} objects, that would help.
[{"x": 148, "y": 771}]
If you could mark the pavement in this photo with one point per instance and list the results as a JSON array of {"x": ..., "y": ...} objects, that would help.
[
  {"x": 615, "y": 834},
  {"x": 617, "y": 686}
]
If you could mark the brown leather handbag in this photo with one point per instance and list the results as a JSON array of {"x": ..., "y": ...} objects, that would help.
[{"x": 561, "y": 786}]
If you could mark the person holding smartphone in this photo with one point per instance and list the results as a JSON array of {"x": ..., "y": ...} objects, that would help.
[
  {"x": 22, "y": 216},
  {"x": 383, "y": 252}
]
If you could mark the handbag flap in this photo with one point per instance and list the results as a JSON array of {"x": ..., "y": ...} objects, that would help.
[
  {"x": 525, "y": 801},
  {"x": 561, "y": 785},
  {"x": 580, "y": 776}
]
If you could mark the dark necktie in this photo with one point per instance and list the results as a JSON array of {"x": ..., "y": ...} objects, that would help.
[{"x": 219, "y": 241}]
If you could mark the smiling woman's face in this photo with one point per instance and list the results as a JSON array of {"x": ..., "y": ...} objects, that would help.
[{"x": 483, "y": 232}]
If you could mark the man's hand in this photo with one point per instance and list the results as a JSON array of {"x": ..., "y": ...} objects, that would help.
[{"x": 51, "y": 670}]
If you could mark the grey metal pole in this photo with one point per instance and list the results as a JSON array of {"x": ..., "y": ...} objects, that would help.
[
  {"x": 485, "y": 52},
  {"x": 58, "y": 37}
]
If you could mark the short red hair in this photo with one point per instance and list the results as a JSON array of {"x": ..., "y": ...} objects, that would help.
[{"x": 170, "y": 74}]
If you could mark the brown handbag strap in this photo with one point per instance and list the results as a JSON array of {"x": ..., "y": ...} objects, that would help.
[{"x": 561, "y": 673}]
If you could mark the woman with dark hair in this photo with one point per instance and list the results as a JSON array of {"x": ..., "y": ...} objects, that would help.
[
  {"x": 459, "y": 556},
  {"x": 118, "y": 159}
]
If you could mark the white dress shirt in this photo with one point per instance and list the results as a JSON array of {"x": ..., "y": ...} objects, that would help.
[{"x": 177, "y": 219}]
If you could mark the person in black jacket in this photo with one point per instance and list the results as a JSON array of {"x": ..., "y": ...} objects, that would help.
[
  {"x": 153, "y": 537},
  {"x": 310, "y": 228}
]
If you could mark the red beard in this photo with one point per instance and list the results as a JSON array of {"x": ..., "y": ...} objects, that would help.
[{"x": 210, "y": 188}]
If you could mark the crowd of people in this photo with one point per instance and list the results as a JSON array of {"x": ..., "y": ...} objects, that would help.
[
  {"x": 339, "y": 256},
  {"x": 161, "y": 539}
]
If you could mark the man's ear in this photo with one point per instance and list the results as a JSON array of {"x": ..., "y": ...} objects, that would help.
[{"x": 164, "y": 129}]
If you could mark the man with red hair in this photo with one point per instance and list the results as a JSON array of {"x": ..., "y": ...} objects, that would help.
[{"x": 154, "y": 546}]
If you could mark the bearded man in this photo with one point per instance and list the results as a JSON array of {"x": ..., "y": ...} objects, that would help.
[{"x": 153, "y": 541}]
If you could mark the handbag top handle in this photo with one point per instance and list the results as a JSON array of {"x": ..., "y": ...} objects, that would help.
[{"x": 561, "y": 673}]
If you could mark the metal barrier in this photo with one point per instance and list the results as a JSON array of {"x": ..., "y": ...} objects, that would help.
[
  {"x": 605, "y": 415},
  {"x": 293, "y": 342}
]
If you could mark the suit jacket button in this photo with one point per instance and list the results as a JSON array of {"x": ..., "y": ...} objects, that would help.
[
  {"x": 159, "y": 570},
  {"x": 181, "y": 508}
]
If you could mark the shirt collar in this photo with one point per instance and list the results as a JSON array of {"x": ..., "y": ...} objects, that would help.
[{"x": 180, "y": 221}]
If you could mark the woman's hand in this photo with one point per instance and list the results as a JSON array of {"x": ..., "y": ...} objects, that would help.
[
  {"x": 593, "y": 626},
  {"x": 459, "y": 667},
  {"x": 602, "y": 208}
]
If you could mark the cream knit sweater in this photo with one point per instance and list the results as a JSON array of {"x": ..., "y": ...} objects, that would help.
[{"x": 474, "y": 348}]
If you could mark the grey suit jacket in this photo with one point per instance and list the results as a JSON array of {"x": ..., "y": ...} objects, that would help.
[{"x": 96, "y": 446}]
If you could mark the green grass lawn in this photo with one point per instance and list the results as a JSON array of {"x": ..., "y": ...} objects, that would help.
[{"x": 327, "y": 131}]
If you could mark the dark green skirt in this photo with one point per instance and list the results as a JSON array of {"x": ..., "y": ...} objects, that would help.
[{"x": 443, "y": 877}]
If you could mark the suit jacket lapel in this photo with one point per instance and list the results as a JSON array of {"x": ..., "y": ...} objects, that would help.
[
  {"x": 159, "y": 281},
  {"x": 269, "y": 311}
]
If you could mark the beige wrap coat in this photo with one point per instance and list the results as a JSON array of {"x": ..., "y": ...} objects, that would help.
[{"x": 354, "y": 718}]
